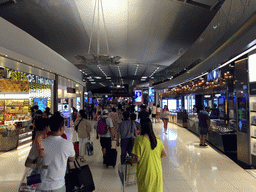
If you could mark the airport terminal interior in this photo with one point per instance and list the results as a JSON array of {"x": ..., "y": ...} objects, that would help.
[{"x": 187, "y": 65}]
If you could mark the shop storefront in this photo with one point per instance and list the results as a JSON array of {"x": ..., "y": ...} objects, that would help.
[
  {"x": 70, "y": 94},
  {"x": 19, "y": 91},
  {"x": 214, "y": 88}
]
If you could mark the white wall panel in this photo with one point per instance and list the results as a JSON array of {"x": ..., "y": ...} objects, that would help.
[{"x": 17, "y": 44}]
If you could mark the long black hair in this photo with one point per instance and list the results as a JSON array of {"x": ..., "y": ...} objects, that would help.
[
  {"x": 82, "y": 114},
  {"x": 146, "y": 128}
]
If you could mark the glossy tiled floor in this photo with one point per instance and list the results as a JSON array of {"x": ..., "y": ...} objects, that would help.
[{"x": 187, "y": 168}]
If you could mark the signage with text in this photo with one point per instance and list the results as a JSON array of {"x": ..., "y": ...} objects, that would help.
[{"x": 19, "y": 75}]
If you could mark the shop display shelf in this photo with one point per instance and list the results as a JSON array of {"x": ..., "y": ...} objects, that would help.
[
  {"x": 253, "y": 111},
  {"x": 25, "y": 135},
  {"x": 26, "y": 139},
  {"x": 16, "y": 106},
  {"x": 253, "y": 137},
  {"x": 253, "y": 124}
]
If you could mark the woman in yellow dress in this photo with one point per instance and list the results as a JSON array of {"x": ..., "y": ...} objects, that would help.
[{"x": 148, "y": 151}]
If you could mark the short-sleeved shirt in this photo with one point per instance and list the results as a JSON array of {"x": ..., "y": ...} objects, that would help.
[
  {"x": 203, "y": 116},
  {"x": 56, "y": 153},
  {"x": 109, "y": 124},
  {"x": 126, "y": 129},
  {"x": 154, "y": 110},
  {"x": 149, "y": 168}
]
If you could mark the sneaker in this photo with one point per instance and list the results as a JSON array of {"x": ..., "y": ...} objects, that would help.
[
  {"x": 200, "y": 145},
  {"x": 204, "y": 145}
]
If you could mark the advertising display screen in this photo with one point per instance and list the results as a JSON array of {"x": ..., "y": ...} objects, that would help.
[
  {"x": 138, "y": 96},
  {"x": 90, "y": 100},
  {"x": 85, "y": 99},
  {"x": 78, "y": 103},
  {"x": 172, "y": 104},
  {"x": 151, "y": 94},
  {"x": 41, "y": 102},
  {"x": 164, "y": 102}
]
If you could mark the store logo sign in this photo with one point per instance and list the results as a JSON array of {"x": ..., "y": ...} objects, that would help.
[
  {"x": 39, "y": 80},
  {"x": 16, "y": 75}
]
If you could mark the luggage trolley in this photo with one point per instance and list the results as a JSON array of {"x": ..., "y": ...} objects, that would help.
[{"x": 127, "y": 174}]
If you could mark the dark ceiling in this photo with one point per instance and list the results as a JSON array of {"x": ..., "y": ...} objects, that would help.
[{"x": 148, "y": 35}]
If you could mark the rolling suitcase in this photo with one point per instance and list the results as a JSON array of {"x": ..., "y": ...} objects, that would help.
[{"x": 110, "y": 158}]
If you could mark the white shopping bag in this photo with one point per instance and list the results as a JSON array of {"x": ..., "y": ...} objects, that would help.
[{"x": 75, "y": 137}]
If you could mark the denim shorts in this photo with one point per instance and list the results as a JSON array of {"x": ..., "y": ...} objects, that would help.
[
  {"x": 167, "y": 119},
  {"x": 203, "y": 130}
]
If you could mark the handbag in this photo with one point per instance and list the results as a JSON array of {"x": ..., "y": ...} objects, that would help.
[
  {"x": 79, "y": 179},
  {"x": 76, "y": 127}
]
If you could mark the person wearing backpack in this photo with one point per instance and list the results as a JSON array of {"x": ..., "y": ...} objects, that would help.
[{"x": 105, "y": 131}]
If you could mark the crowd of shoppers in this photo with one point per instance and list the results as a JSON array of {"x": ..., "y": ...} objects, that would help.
[{"x": 137, "y": 140}]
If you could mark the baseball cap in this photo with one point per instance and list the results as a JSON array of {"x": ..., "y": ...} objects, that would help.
[{"x": 105, "y": 111}]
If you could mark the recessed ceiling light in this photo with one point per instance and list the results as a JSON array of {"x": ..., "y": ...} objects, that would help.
[
  {"x": 97, "y": 77},
  {"x": 91, "y": 79},
  {"x": 108, "y": 77},
  {"x": 93, "y": 82},
  {"x": 144, "y": 77}
]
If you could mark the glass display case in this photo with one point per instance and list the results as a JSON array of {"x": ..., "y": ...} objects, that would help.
[
  {"x": 218, "y": 125},
  {"x": 253, "y": 127}
]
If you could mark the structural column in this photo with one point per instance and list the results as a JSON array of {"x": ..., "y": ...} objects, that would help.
[{"x": 55, "y": 93}]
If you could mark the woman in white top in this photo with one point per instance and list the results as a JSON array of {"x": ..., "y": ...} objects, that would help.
[
  {"x": 158, "y": 111},
  {"x": 165, "y": 117},
  {"x": 154, "y": 113}
]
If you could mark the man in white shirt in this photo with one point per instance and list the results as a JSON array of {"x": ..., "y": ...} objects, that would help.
[{"x": 57, "y": 152}]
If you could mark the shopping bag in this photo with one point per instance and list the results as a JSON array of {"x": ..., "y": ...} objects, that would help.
[
  {"x": 32, "y": 177},
  {"x": 75, "y": 137},
  {"x": 89, "y": 146},
  {"x": 79, "y": 179},
  {"x": 23, "y": 185}
]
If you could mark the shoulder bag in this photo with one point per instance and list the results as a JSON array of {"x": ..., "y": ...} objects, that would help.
[{"x": 76, "y": 127}]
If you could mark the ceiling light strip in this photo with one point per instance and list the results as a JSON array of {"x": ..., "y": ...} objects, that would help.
[
  {"x": 119, "y": 71},
  {"x": 102, "y": 84},
  {"x": 136, "y": 70},
  {"x": 102, "y": 70},
  {"x": 154, "y": 71}
]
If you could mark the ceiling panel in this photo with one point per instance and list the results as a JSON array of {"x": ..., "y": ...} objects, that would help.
[{"x": 154, "y": 33}]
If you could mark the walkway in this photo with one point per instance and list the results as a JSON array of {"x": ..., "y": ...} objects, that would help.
[{"x": 187, "y": 168}]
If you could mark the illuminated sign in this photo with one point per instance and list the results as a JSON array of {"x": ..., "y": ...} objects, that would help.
[
  {"x": 213, "y": 75},
  {"x": 138, "y": 96},
  {"x": 18, "y": 75},
  {"x": 39, "y": 80}
]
